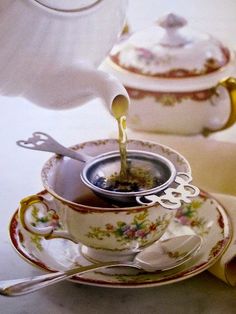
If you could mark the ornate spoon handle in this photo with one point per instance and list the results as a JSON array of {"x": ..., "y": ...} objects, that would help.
[
  {"x": 23, "y": 286},
  {"x": 44, "y": 142}
]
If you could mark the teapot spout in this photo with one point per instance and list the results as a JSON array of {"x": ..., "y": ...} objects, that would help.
[
  {"x": 113, "y": 93},
  {"x": 70, "y": 87}
]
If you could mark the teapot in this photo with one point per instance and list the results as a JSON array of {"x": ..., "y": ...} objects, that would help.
[
  {"x": 180, "y": 80},
  {"x": 50, "y": 51}
]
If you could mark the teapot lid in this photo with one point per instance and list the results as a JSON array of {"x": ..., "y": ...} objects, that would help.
[{"x": 170, "y": 49}]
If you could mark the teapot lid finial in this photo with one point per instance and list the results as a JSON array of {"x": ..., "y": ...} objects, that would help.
[
  {"x": 171, "y": 20},
  {"x": 171, "y": 23}
]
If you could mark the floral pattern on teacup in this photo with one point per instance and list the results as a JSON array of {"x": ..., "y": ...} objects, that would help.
[
  {"x": 140, "y": 229},
  {"x": 50, "y": 218},
  {"x": 39, "y": 219},
  {"x": 188, "y": 215}
]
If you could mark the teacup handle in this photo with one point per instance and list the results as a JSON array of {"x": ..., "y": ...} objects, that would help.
[
  {"x": 230, "y": 84},
  {"x": 174, "y": 196},
  {"x": 43, "y": 211}
]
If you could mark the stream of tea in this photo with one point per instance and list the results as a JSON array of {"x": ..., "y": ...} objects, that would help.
[
  {"x": 122, "y": 140},
  {"x": 131, "y": 177}
]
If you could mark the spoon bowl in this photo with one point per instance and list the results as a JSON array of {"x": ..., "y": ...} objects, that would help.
[
  {"x": 160, "y": 256},
  {"x": 169, "y": 253}
]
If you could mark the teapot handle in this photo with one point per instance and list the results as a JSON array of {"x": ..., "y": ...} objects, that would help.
[{"x": 230, "y": 84}]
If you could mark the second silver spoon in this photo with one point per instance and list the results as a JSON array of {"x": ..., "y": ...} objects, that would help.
[{"x": 161, "y": 255}]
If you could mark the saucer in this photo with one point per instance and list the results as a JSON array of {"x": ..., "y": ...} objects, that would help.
[{"x": 204, "y": 216}]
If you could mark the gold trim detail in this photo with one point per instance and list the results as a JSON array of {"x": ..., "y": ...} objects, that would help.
[{"x": 230, "y": 84}]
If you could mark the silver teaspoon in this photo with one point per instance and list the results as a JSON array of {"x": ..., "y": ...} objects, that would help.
[{"x": 161, "y": 255}]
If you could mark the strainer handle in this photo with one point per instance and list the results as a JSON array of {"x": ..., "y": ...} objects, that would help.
[
  {"x": 44, "y": 142},
  {"x": 173, "y": 197}
]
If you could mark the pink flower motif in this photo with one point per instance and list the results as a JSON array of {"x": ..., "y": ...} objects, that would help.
[
  {"x": 130, "y": 233},
  {"x": 184, "y": 220},
  {"x": 179, "y": 213},
  {"x": 141, "y": 233},
  {"x": 145, "y": 54}
]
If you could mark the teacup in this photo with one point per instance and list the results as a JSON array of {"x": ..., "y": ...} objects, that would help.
[{"x": 70, "y": 210}]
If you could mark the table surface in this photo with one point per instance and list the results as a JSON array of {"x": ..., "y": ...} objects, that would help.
[{"x": 20, "y": 176}]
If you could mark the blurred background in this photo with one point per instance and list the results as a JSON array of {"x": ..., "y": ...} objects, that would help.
[{"x": 213, "y": 16}]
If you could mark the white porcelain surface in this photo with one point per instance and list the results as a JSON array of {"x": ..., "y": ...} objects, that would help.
[
  {"x": 69, "y": 5},
  {"x": 204, "y": 217},
  {"x": 179, "y": 113},
  {"x": 51, "y": 57}
]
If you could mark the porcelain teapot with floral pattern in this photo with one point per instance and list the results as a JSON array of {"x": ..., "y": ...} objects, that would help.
[
  {"x": 179, "y": 80},
  {"x": 50, "y": 51}
]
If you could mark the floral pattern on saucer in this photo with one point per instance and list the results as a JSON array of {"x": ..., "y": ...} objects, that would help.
[{"x": 205, "y": 216}]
